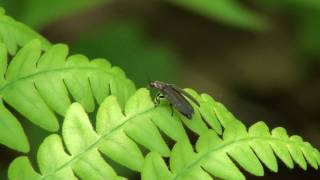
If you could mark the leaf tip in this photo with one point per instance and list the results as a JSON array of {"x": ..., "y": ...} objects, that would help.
[{"x": 35, "y": 43}]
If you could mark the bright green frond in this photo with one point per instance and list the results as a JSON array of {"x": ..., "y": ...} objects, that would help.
[
  {"x": 21, "y": 168},
  {"x": 219, "y": 156},
  {"x": 155, "y": 168},
  {"x": 118, "y": 132},
  {"x": 121, "y": 130},
  {"x": 14, "y": 34},
  {"x": 39, "y": 85}
]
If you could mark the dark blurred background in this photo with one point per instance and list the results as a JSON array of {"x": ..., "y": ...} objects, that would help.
[{"x": 259, "y": 58}]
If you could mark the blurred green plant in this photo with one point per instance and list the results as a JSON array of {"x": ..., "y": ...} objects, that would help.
[
  {"x": 308, "y": 33},
  {"x": 288, "y": 4},
  {"x": 125, "y": 45},
  {"x": 230, "y": 12},
  {"x": 28, "y": 11},
  {"x": 305, "y": 16}
]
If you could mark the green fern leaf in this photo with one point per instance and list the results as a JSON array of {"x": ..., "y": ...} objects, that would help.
[
  {"x": 32, "y": 78},
  {"x": 14, "y": 34},
  {"x": 215, "y": 156},
  {"x": 118, "y": 131}
]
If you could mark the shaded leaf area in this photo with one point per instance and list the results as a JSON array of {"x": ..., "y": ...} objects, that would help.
[
  {"x": 28, "y": 10},
  {"x": 229, "y": 12},
  {"x": 305, "y": 15},
  {"x": 117, "y": 134},
  {"x": 216, "y": 156},
  {"x": 126, "y": 45},
  {"x": 14, "y": 34},
  {"x": 308, "y": 29},
  {"x": 291, "y": 4},
  {"x": 42, "y": 86}
]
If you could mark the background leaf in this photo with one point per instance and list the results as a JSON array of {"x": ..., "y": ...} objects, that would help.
[
  {"x": 124, "y": 43},
  {"x": 29, "y": 13},
  {"x": 228, "y": 11}
]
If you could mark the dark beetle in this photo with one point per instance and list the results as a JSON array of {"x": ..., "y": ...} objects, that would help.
[{"x": 175, "y": 96}]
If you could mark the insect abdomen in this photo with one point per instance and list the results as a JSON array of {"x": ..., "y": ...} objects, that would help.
[{"x": 179, "y": 102}]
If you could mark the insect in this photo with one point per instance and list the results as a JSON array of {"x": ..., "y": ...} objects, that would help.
[{"x": 175, "y": 96}]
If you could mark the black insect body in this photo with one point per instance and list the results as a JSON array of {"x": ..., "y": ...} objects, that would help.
[{"x": 175, "y": 96}]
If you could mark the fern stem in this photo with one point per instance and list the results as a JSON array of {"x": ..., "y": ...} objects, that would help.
[{"x": 31, "y": 76}]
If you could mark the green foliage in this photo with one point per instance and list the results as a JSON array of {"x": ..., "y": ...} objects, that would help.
[
  {"x": 39, "y": 85},
  {"x": 49, "y": 9},
  {"x": 40, "y": 82},
  {"x": 287, "y": 4},
  {"x": 28, "y": 10},
  {"x": 304, "y": 15},
  {"x": 227, "y": 11},
  {"x": 125, "y": 44},
  {"x": 309, "y": 28},
  {"x": 230, "y": 12},
  {"x": 119, "y": 131},
  {"x": 14, "y": 34},
  {"x": 216, "y": 156}
]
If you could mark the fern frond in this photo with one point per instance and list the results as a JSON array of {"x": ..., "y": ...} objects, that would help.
[
  {"x": 39, "y": 85},
  {"x": 14, "y": 34},
  {"x": 217, "y": 157},
  {"x": 117, "y": 135},
  {"x": 119, "y": 131}
]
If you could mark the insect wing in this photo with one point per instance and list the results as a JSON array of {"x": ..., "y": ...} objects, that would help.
[
  {"x": 179, "y": 102},
  {"x": 183, "y": 92}
]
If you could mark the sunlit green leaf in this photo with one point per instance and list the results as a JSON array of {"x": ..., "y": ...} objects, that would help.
[{"x": 39, "y": 85}]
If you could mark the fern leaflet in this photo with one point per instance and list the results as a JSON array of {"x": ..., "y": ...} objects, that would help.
[
  {"x": 14, "y": 34},
  {"x": 215, "y": 156},
  {"x": 39, "y": 85},
  {"x": 118, "y": 131}
]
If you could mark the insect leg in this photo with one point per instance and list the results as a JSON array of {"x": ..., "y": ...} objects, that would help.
[
  {"x": 172, "y": 111},
  {"x": 157, "y": 99}
]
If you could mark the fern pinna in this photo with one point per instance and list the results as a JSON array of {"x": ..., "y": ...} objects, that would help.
[
  {"x": 38, "y": 86},
  {"x": 15, "y": 34},
  {"x": 119, "y": 131}
]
